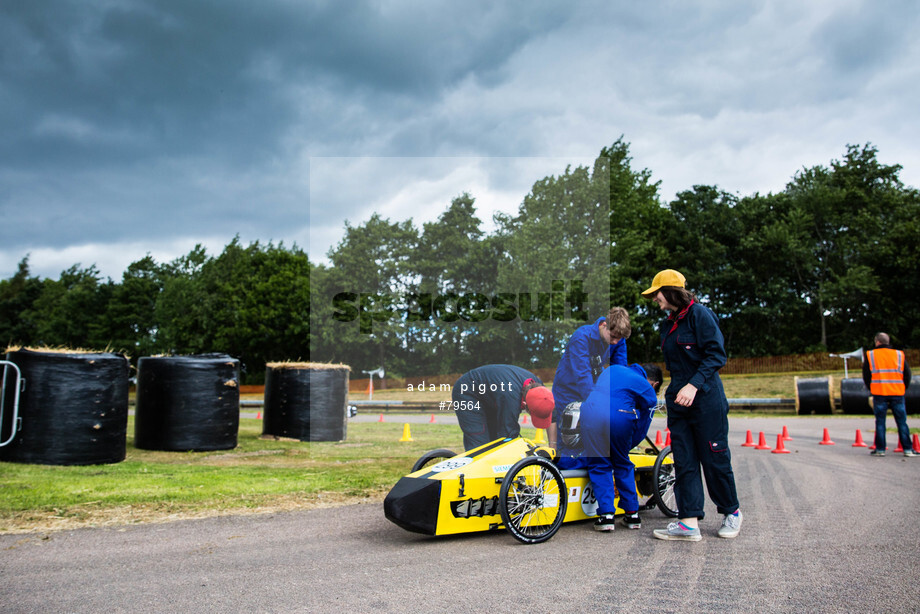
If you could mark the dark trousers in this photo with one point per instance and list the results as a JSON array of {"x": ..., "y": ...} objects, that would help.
[
  {"x": 699, "y": 441},
  {"x": 881, "y": 405},
  {"x": 480, "y": 420}
]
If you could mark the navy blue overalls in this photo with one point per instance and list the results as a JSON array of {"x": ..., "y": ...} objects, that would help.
[
  {"x": 694, "y": 351},
  {"x": 498, "y": 390}
]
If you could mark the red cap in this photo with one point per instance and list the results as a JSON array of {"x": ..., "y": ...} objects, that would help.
[{"x": 540, "y": 404}]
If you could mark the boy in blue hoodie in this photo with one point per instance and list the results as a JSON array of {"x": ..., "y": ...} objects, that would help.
[{"x": 590, "y": 349}]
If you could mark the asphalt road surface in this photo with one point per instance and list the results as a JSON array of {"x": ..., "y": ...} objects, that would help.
[{"x": 826, "y": 529}]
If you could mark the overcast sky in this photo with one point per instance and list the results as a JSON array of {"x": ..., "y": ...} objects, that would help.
[{"x": 130, "y": 127}]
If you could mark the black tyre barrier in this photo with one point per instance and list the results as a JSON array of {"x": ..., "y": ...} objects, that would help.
[
  {"x": 813, "y": 395},
  {"x": 306, "y": 401},
  {"x": 187, "y": 403},
  {"x": 73, "y": 408},
  {"x": 856, "y": 400},
  {"x": 912, "y": 396},
  {"x": 854, "y": 396}
]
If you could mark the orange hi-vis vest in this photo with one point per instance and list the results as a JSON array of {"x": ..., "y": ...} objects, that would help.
[{"x": 887, "y": 367}]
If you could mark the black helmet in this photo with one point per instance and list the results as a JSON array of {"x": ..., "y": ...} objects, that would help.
[{"x": 570, "y": 430}]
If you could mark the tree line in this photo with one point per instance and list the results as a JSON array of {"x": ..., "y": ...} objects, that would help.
[{"x": 820, "y": 266}]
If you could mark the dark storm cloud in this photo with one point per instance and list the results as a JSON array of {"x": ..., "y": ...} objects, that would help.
[
  {"x": 145, "y": 125},
  {"x": 166, "y": 117}
]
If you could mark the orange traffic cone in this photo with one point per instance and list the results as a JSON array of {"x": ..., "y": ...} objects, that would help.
[
  {"x": 658, "y": 441},
  {"x": 748, "y": 441},
  {"x": 431, "y": 421},
  {"x": 524, "y": 421},
  {"x": 762, "y": 444},
  {"x": 780, "y": 449},
  {"x": 786, "y": 436},
  {"x": 900, "y": 448},
  {"x": 667, "y": 437},
  {"x": 258, "y": 415},
  {"x": 916, "y": 442},
  {"x": 827, "y": 439},
  {"x": 859, "y": 443},
  {"x": 380, "y": 419}
]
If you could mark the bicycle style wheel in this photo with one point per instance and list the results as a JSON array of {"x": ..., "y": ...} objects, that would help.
[
  {"x": 663, "y": 481},
  {"x": 533, "y": 500},
  {"x": 432, "y": 457}
]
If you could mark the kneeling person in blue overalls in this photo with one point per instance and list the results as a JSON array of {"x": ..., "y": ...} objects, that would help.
[{"x": 615, "y": 419}]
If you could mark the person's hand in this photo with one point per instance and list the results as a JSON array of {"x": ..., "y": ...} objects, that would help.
[{"x": 686, "y": 395}]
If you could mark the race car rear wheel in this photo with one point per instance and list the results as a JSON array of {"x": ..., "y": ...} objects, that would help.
[
  {"x": 663, "y": 480},
  {"x": 532, "y": 500},
  {"x": 432, "y": 457}
]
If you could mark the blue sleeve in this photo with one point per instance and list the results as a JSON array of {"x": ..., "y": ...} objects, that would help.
[
  {"x": 579, "y": 363},
  {"x": 618, "y": 353},
  {"x": 710, "y": 343}
]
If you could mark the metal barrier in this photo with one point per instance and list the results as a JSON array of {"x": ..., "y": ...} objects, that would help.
[{"x": 15, "y": 421}]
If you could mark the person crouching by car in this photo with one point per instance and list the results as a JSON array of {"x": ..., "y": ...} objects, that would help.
[
  {"x": 488, "y": 401},
  {"x": 613, "y": 420}
]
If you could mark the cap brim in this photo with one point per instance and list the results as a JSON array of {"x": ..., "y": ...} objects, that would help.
[
  {"x": 651, "y": 291},
  {"x": 541, "y": 423}
]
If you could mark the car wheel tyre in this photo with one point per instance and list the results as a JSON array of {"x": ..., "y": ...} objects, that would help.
[
  {"x": 663, "y": 480},
  {"x": 533, "y": 500}
]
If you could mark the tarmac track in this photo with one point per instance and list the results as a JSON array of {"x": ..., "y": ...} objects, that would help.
[{"x": 826, "y": 529}]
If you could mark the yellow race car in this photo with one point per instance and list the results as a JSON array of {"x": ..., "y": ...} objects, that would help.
[{"x": 515, "y": 484}]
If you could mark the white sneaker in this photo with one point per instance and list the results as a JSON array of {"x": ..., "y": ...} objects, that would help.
[
  {"x": 731, "y": 525},
  {"x": 678, "y": 530}
]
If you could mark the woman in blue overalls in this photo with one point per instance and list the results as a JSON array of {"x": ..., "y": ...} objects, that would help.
[{"x": 694, "y": 351}]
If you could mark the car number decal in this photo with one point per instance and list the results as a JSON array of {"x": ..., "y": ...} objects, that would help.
[
  {"x": 451, "y": 463},
  {"x": 589, "y": 502}
]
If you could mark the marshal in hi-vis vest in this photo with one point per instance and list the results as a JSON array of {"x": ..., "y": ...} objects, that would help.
[{"x": 887, "y": 366}]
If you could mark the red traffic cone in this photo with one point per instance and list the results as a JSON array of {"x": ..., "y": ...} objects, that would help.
[
  {"x": 780, "y": 449},
  {"x": 900, "y": 448},
  {"x": 916, "y": 442},
  {"x": 258, "y": 415},
  {"x": 524, "y": 421},
  {"x": 431, "y": 421},
  {"x": 859, "y": 443},
  {"x": 827, "y": 439},
  {"x": 762, "y": 443},
  {"x": 658, "y": 441},
  {"x": 786, "y": 436},
  {"x": 667, "y": 437},
  {"x": 748, "y": 441},
  {"x": 380, "y": 419}
]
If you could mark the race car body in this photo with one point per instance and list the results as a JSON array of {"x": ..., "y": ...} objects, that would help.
[{"x": 510, "y": 483}]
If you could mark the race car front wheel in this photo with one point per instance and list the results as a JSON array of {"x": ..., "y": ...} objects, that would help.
[
  {"x": 532, "y": 500},
  {"x": 663, "y": 481}
]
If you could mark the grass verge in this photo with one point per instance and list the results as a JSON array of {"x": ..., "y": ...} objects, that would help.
[{"x": 255, "y": 477}]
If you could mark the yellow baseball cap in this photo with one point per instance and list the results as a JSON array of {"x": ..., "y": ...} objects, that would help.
[{"x": 667, "y": 277}]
